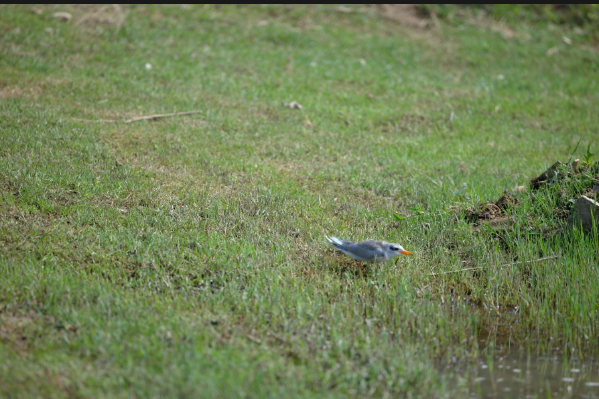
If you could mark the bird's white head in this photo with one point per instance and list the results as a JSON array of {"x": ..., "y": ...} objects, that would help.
[{"x": 394, "y": 250}]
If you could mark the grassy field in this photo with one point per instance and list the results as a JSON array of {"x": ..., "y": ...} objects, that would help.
[{"x": 185, "y": 257}]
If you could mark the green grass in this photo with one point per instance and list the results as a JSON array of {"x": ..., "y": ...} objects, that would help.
[{"x": 185, "y": 257}]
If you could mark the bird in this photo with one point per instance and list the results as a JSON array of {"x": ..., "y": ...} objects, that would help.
[{"x": 369, "y": 250}]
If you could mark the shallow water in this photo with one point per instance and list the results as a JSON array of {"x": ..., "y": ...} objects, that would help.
[
  {"x": 513, "y": 373},
  {"x": 519, "y": 376}
]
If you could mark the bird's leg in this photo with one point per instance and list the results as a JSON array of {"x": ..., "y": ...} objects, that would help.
[{"x": 360, "y": 269}]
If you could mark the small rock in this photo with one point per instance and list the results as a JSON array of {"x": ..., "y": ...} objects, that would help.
[
  {"x": 62, "y": 16},
  {"x": 293, "y": 105},
  {"x": 575, "y": 165},
  {"x": 585, "y": 213}
]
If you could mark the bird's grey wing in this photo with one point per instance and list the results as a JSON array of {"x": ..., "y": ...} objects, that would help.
[
  {"x": 344, "y": 244},
  {"x": 367, "y": 250},
  {"x": 372, "y": 245}
]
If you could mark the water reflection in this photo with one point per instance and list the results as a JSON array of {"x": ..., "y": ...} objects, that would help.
[
  {"x": 509, "y": 371},
  {"x": 517, "y": 375}
]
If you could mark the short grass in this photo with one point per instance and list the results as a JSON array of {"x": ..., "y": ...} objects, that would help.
[{"x": 185, "y": 257}]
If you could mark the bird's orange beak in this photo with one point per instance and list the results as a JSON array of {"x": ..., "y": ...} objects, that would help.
[{"x": 406, "y": 252}]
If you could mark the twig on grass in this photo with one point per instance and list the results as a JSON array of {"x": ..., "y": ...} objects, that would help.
[
  {"x": 157, "y": 116},
  {"x": 138, "y": 118},
  {"x": 506, "y": 265}
]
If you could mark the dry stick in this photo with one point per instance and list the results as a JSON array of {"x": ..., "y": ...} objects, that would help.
[
  {"x": 506, "y": 265},
  {"x": 147, "y": 117},
  {"x": 137, "y": 118}
]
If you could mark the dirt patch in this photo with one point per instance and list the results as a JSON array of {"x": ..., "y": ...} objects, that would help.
[
  {"x": 407, "y": 15},
  {"x": 19, "y": 92},
  {"x": 506, "y": 202},
  {"x": 11, "y": 92},
  {"x": 495, "y": 214},
  {"x": 12, "y": 331},
  {"x": 20, "y": 328}
]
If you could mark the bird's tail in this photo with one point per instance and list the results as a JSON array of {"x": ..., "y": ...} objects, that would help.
[{"x": 334, "y": 240}]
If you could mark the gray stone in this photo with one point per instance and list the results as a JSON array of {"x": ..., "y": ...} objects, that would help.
[{"x": 584, "y": 213}]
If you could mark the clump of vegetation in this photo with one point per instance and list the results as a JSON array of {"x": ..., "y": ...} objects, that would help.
[
  {"x": 583, "y": 17},
  {"x": 572, "y": 14},
  {"x": 568, "y": 181},
  {"x": 549, "y": 200}
]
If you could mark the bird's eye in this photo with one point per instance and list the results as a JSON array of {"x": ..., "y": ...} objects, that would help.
[{"x": 394, "y": 248}]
